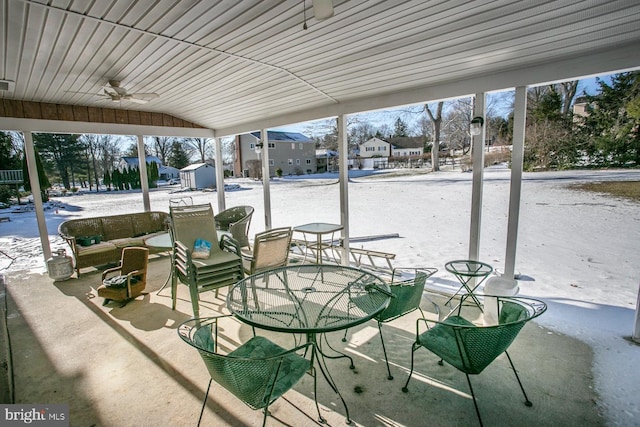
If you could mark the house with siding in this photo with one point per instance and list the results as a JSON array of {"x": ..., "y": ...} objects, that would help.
[
  {"x": 292, "y": 152},
  {"x": 406, "y": 146},
  {"x": 131, "y": 161},
  {"x": 374, "y": 147}
]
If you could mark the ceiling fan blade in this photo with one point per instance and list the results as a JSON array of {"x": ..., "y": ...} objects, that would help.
[
  {"x": 137, "y": 100},
  {"x": 147, "y": 96},
  {"x": 322, "y": 9}
]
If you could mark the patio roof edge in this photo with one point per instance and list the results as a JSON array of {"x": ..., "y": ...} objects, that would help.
[{"x": 594, "y": 63}]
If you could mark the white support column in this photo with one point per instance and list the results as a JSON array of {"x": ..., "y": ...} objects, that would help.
[
  {"x": 343, "y": 158},
  {"x": 517, "y": 162},
  {"x": 30, "y": 155},
  {"x": 507, "y": 285},
  {"x": 477, "y": 146},
  {"x": 636, "y": 332},
  {"x": 219, "y": 174},
  {"x": 264, "y": 138},
  {"x": 144, "y": 180}
]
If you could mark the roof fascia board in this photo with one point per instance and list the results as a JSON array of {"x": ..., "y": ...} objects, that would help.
[
  {"x": 592, "y": 64},
  {"x": 62, "y": 126}
]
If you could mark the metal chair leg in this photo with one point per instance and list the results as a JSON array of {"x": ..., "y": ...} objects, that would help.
[
  {"x": 413, "y": 350},
  {"x": 384, "y": 350},
  {"x": 527, "y": 402},
  {"x": 204, "y": 402},
  {"x": 474, "y": 399}
]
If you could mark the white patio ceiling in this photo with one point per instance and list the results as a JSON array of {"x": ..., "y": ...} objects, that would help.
[{"x": 236, "y": 66}]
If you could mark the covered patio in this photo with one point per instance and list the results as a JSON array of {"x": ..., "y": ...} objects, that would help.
[
  {"x": 224, "y": 69},
  {"x": 126, "y": 366}
]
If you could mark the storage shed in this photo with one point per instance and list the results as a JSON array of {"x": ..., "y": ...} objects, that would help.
[{"x": 197, "y": 176}]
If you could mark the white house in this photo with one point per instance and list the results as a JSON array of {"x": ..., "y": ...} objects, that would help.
[
  {"x": 197, "y": 176},
  {"x": 374, "y": 147},
  {"x": 406, "y": 146},
  {"x": 130, "y": 162},
  {"x": 168, "y": 172}
]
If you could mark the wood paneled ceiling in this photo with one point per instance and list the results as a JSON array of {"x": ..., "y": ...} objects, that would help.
[{"x": 239, "y": 65}]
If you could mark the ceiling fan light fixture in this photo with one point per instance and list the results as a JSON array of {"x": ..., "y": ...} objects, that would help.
[{"x": 322, "y": 9}]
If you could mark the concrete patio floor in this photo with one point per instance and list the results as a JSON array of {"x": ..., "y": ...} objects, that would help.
[{"x": 128, "y": 367}]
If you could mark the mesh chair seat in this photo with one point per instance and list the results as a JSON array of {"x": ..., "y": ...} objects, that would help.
[
  {"x": 470, "y": 348},
  {"x": 258, "y": 372},
  {"x": 407, "y": 296}
]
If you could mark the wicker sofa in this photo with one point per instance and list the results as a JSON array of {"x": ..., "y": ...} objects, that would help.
[{"x": 99, "y": 241}]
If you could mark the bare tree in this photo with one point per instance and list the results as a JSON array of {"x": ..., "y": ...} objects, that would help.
[
  {"x": 436, "y": 122},
  {"x": 90, "y": 142},
  {"x": 161, "y": 147},
  {"x": 568, "y": 92},
  {"x": 201, "y": 146}
]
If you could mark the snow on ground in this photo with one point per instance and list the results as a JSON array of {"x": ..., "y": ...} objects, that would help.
[{"x": 578, "y": 251}]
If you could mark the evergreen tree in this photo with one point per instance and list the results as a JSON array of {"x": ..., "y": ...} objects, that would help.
[
  {"x": 400, "y": 128},
  {"x": 63, "y": 155},
  {"x": 178, "y": 157},
  {"x": 106, "y": 179},
  {"x": 42, "y": 177},
  {"x": 9, "y": 159},
  {"x": 152, "y": 174},
  {"x": 610, "y": 127},
  {"x": 116, "y": 179}
]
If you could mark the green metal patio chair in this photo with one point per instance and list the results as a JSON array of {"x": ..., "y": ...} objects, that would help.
[
  {"x": 236, "y": 220},
  {"x": 470, "y": 348},
  {"x": 222, "y": 267},
  {"x": 407, "y": 296},
  {"x": 258, "y": 372}
]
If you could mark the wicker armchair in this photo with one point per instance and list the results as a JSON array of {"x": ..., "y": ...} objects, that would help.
[
  {"x": 133, "y": 272},
  {"x": 470, "y": 348},
  {"x": 258, "y": 372}
]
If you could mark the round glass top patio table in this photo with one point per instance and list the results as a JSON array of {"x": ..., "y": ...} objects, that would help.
[{"x": 310, "y": 299}]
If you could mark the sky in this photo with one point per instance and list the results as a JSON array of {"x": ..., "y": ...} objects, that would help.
[
  {"x": 577, "y": 251},
  {"x": 389, "y": 116}
]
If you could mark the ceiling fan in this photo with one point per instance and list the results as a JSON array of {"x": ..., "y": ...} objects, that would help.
[
  {"x": 116, "y": 93},
  {"x": 322, "y": 9}
]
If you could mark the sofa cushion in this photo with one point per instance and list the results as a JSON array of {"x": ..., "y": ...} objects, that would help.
[
  {"x": 148, "y": 222},
  {"x": 128, "y": 241},
  {"x": 117, "y": 227},
  {"x": 97, "y": 248}
]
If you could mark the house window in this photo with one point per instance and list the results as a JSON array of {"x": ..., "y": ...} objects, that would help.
[
  {"x": 272, "y": 145},
  {"x": 308, "y": 161},
  {"x": 300, "y": 146},
  {"x": 271, "y": 162},
  {"x": 252, "y": 146},
  {"x": 382, "y": 148},
  {"x": 297, "y": 161},
  {"x": 290, "y": 161},
  {"x": 293, "y": 145}
]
